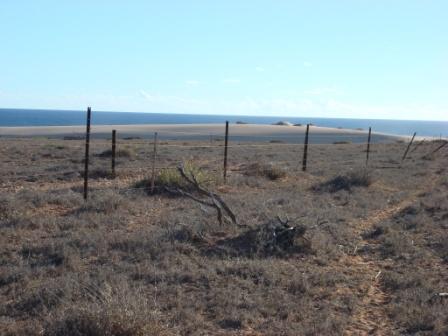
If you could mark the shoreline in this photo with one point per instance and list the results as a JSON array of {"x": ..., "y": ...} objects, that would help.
[{"x": 237, "y": 132}]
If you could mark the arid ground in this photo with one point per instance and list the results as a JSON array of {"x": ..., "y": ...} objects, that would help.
[{"x": 372, "y": 257}]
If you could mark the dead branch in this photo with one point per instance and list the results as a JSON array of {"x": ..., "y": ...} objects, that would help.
[{"x": 214, "y": 200}]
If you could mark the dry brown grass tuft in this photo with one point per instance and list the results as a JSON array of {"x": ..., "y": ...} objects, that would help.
[
  {"x": 110, "y": 311},
  {"x": 269, "y": 171}
]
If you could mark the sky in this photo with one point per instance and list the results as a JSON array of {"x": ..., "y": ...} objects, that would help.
[{"x": 345, "y": 58}]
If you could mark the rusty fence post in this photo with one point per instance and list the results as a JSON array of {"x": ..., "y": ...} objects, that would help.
[
  {"x": 226, "y": 144},
  {"x": 407, "y": 148},
  {"x": 154, "y": 157},
  {"x": 86, "y": 157},
  {"x": 368, "y": 145},
  {"x": 114, "y": 147},
  {"x": 305, "y": 148}
]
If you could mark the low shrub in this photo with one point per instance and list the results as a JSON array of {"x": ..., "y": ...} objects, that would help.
[
  {"x": 393, "y": 281},
  {"x": 356, "y": 178},
  {"x": 265, "y": 170},
  {"x": 270, "y": 239},
  {"x": 7, "y": 207},
  {"x": 124, "y": 153},
  {"x": 103, "y": 201}
]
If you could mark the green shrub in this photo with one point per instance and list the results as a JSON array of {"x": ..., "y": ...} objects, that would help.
[{"x": 170, "y": 178}]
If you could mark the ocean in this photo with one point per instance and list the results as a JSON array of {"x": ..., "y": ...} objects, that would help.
[{"x": 26, "y": 117}]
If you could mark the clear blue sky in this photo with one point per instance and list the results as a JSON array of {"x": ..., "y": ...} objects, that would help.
[{"x": 359, "y": 58}]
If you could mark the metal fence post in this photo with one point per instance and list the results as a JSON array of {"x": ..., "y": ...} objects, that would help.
[
  {"x": 154, "y": 157},
  {"x": 226, "y": 143},
  {"x": 114, "y": 146},
  {"x": 86, "y": 157},
  {"x": 407, "y": 148},
  {"x": 305, "y": 148},
  {"x": 368, "y": 145}
]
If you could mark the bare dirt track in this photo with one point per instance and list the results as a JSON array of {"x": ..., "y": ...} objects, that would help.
[{"x": 371, "y": 317}]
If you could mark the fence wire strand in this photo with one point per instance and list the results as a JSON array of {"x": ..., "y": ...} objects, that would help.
[{"x": 276, "y": 144}]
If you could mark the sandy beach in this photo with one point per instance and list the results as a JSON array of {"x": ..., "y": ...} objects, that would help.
[{"x": 238, "y": 132}]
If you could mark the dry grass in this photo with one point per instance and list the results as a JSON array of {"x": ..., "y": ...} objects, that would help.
[
  {"x": 269, "y": 171},
  {"x": 170, "y": 178},
  {"x": 123, "y": 263}
]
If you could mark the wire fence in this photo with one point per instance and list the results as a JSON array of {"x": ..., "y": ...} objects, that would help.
[{"x": 170, "y": 153}]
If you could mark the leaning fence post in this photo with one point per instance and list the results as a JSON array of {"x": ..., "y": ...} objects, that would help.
[
  {"x": 368, "y": 145},
  {"x": 407, "y": 148},
  {"x": 86, "y": 157},
  {"x": 226, "y": 143},
  {"x": 305, "y": 148},
  {"x": 114, "y": 145},
  {"x": 154, "y": 156}
]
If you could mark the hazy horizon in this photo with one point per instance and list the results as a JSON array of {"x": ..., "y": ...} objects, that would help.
[{"x": 214, "y": 114}]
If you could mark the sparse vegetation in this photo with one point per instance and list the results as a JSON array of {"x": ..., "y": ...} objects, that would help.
[{"x": 126, "y": 264}]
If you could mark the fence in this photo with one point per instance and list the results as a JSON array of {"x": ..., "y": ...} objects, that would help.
[{"x": 220, "y": 154}]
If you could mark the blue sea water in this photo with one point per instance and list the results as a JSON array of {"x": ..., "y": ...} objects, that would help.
[{"x": 25, "y": 117}]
